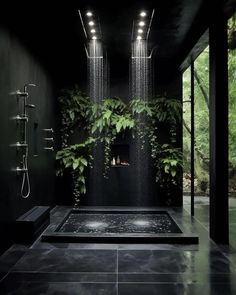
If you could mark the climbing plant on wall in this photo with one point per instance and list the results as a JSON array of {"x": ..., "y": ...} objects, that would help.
[{"x": 104, "y": 122}]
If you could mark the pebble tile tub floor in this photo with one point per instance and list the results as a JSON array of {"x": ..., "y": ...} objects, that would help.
[{"x": 119, "y": 223}]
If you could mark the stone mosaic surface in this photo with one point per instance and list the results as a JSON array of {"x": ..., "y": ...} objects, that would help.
[{"x": 119, "y": 223}]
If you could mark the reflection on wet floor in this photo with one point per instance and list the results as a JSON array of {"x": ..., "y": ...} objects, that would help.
[{"x": 202, "y": 214}]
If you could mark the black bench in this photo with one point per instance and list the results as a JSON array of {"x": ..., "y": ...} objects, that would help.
[{"x": 31, "y": 224}]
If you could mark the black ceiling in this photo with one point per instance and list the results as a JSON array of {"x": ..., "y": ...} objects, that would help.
[{"x": 53, "y": 33}]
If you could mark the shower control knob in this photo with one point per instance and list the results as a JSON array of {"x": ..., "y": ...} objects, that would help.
[
  {"x": 20, "y": 118},
  {"x": 31, "y": 106},
  {"x": 49, "y": 148},
  {"x": 20, "y": 170}
]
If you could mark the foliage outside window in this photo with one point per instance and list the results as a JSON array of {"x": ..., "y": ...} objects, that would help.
[
  {"x": 201, "y": 85},
  {"x": 201, "y": 105}
]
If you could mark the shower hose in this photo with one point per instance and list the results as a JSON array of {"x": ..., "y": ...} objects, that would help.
[{"x": 25, "y": 185}]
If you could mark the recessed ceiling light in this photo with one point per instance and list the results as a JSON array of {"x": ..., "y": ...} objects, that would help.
[
  {"x": 89, "y": 13},
  {"x": 139, "y": 38},
  {"x": 91, "y": 23},
  {"x": 94, "y": 37},
  {"x": 141, "y": 24},
  {"x": 93, "y": 31},
  {"x": 143, "y": 14},
  {"x": 140, "y": 31}
]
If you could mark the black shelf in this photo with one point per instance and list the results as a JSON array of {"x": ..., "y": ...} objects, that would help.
[{"x": 120, "y": 166}]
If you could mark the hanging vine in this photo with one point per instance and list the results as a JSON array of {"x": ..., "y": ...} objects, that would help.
[{"x": 104, "y": 122}]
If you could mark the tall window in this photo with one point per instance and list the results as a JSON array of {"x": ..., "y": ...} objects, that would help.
[
  {"x": 232, "y": 125},
  {"x": 201, "y": 89}
]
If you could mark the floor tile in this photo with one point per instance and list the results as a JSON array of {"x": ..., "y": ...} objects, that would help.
[
  {"x": 153, "y": 261},
  {"x": 10, "y": 258},
  {"x": 182, "y": 278},
  {"x": 175, "y": 289},
  {"x": 68, "y": 260},
  {"x": 162, "y": 289},
  {"x": 84, "y": 277},
  {"x": 29, "y": 288},
  {"x": 55, "y": 245}
]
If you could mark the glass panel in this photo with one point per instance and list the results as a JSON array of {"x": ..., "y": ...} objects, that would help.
[
  {"x": 232, "y": 128},
  {"x": 201, "y": 117},
  {"x": 201, "y": 88}
]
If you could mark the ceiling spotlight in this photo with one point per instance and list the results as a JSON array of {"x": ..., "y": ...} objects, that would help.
[
  {"x": 94, "y": 37},
  {"x": 93, "y": 31},
  {"x": 143, "y": 14},
  {"x": 139, "y": 38},
  {"x": 89, "y": 13},
  {"x": 141, "y": 24},
  {"x": 91, "y": 23},
  {"x": 140, "y": 31}
]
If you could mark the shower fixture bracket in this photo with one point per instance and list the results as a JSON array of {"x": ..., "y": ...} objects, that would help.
[
  {"x": 19, "y": 170},
  {"x": 19, "y": 145},
  {"x": 49, "y": 148},
  {"x": 20, "y": 118},
  {"x": 23, "y": 170}
]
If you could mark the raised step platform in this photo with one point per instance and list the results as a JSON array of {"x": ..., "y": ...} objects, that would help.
[
  {"x": 118, "y": 226},
  {"x": 31, "y": 224}
]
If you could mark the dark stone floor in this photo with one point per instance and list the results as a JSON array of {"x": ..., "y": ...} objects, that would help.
[{"x": 121, "y": 269}]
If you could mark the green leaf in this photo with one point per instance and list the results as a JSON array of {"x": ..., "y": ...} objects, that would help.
[
  {"x": 173, "y": 173},
  {"x": 107, "y": 114},
  {"x": 173, "y": 162},
  {"x": 59, "y": 156},
  {"x": 72, "y": 115},
  {"x": 94, "y": 128},
  {"x": 166, "y": 169},
  {"x": 75, "y": 164},
  {"x": 83, "y": 189},
  {"x": 81, "y": 168},
  {"x": 84, "y": 161},
  {"x": 67, "y": 164},
  {"x": 118, "y": 127},
  {"x": 81, "y": 179}
]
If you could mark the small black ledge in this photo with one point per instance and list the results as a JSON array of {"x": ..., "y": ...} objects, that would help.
[{"x": 31, "y": 224}]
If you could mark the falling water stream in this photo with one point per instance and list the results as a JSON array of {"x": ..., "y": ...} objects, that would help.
[
  {"x": 96, "y": 71},
  {"x": 140, "y": 70},
  {"x": 97, "y": 80},
  {"x": 140, "y": 87}
]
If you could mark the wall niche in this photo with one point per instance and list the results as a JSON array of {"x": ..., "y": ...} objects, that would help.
[{"x": 120, "y": 155}]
